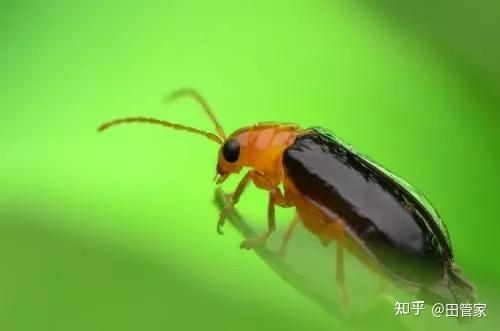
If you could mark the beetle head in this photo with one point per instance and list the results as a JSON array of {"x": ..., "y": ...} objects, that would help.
[{"x": 229, "y": 160}]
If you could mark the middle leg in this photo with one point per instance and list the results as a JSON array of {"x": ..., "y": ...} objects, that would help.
[{"x": 275, "y": 198}]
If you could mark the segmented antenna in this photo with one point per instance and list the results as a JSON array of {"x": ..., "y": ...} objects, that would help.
[
  {"x": 155, "y": 121},
  {"x": 191, "y": 93}
]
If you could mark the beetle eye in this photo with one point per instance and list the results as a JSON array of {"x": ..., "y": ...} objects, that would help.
[{"x": 231, "y": 150}]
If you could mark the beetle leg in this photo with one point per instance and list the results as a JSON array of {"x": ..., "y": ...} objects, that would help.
[
  {"x": 278, "y": 198},
  {"x": 275, "y": 198},
  {"x": 235, "y": 197},
  {"x": 344, "y": 298},
  {"x": 382, "y": 285},
  {"x": 271, "y": 226},
  {"x": 288, "y": 235}
]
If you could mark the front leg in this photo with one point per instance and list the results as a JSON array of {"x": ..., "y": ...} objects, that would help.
[
  {"x": 275, "y": 198},
  {"x": 234, "y": 200}
]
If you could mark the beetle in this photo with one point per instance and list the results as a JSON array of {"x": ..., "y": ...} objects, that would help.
[{"x": 339, "y": 195}]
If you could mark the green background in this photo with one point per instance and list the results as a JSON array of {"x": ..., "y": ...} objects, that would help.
[{"x": 117, "y": 231}]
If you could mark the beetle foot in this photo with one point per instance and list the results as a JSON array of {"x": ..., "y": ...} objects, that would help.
[
  {"x": 251, "y": 243},
  {"x": 282, "y": 252},
  {"x": 222, "y": 217},
  {"x": 344, "y": 301},
  {"x": 382, "y": 286},
  {"x": 229, "y": 197},
  {"x": 343, "y": 296}
]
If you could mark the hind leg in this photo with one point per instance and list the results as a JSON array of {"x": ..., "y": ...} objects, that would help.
[
  {"x": 340, "y": 276},
  {"x": 382, "y": 285},
  {"x": 334, "y": 230},
  {"x": 288, "y": 235}
]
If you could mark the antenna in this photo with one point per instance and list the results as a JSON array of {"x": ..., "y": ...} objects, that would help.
[
  {"x": 191, "y": 93},
  {"x": 155, "y": 121}
]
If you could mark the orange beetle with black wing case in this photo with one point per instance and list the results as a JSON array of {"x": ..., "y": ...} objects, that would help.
[{"x": 339, "y": 195}]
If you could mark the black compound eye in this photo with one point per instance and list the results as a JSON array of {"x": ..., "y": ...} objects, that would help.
[{"x": 231, "y": 150}]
